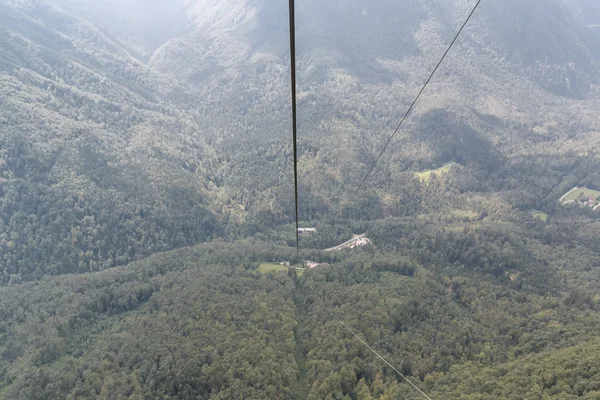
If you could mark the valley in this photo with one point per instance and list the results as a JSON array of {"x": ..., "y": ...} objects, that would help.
[{"x": 147, "y": 210}]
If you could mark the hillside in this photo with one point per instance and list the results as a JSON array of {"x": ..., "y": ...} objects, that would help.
[
  {"x": 96, "y": 160},
  {"x": 193, "y": 144}
]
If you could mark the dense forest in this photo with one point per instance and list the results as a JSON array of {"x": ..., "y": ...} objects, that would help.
[
  {"x": 455, "y": 305},
  {"x": 146, "y": 179}
]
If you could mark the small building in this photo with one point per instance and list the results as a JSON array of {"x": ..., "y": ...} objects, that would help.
[
  {"x": 306, "y": 231},
  {"x": 311, "y": 264}
]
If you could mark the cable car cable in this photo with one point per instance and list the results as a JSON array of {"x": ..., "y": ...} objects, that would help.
[
  {"x": 294, "y": 117},
  {"x": 407, "y": 112},
  {"x": 294, "y": 130}
]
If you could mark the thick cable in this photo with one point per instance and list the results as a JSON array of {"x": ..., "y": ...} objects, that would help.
[{"x": 294, "y": 118}]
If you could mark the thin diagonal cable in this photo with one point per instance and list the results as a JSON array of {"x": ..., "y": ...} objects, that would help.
[
  {"x": 373, "y": 350},
  {"x": 294, "y": 117},
  {"x": 409, "y": 110}
]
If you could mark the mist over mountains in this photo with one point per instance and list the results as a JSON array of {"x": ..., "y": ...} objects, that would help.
[{"x": 551, "y": 38}]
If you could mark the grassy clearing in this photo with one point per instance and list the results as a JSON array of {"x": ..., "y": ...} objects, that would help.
[
  {"x": 465, "y": 215},
  {"x": 265, "y": 268},
  {"x": 426, "y": 175},
  {"x": 270, "y": 267},
  {"x": 540, "y": 215},
  {"x": 574, "y": 194}
]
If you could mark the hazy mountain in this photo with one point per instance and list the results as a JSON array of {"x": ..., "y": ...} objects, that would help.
[
  {"x": 549, "y": 42},
  {"x": 541, "y": 37},
  {"x": 141, "y": 26},
  {"x": 587, "y": 10}
]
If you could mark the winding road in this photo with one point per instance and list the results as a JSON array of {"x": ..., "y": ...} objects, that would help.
[
  {"x": 562, "y": 199},
  {"x": 348, "y": 243}
]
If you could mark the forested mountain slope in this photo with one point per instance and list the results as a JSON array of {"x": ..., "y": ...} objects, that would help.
[
  {"x": 115, "y": 147},
  {"x": 99, "y": 166}
]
